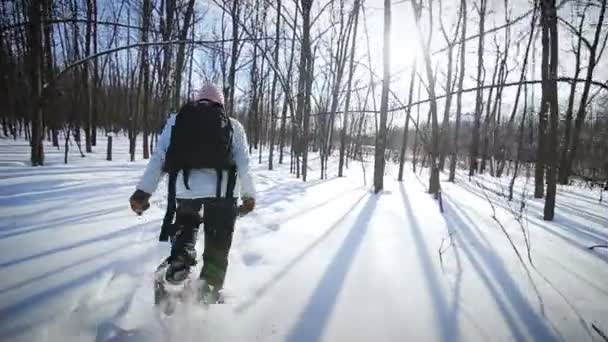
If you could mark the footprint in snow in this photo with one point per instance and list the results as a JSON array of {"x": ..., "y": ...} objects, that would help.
[
  {"x": 251, "y": 258},
  {"x": 273, "y": 226}
]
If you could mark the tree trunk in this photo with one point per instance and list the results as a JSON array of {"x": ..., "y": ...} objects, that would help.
[
  {"x": 407, "y": 124},
  {"x": 181, "y": 52},
  {"x": 520, "y": 141},
  {"x": 303, "y": 100},
  {"x": 434, "y": 183},
  {"x": 96, "y": 81},
  {"x": 235, "y": 12},
  {"x": 145, "y": 74},
  {"x": 518, "y": 92},
  {"x": 273, "y": 105},
  {"x": 351, "y": 71},
  {"x": 474, "y": 150},
  {"x": 86, "y": 81},
  {"x": 287, "y": 98},
  {"x": 539, "y": 170},
  {"x": 550, "y": 18},
  {"x": 582, "y": 109},
  {"x": 454, "y": 158},
  {"x": 35, "y": 29},
  {"x": 381, "y": 139},
  {"x": 109, "y": 149}
]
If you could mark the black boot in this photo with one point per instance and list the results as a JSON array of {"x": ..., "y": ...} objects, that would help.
[
  {"x": 209, "y": 294},
  {"x": 179, "y": 269}
]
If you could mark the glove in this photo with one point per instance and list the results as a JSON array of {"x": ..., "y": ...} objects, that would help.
[
  {"x": 139, "y": 201},
  {"x": 247, "y": 206}
]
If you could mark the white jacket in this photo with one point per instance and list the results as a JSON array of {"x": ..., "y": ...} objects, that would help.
[{"x": 202, "y": 182}]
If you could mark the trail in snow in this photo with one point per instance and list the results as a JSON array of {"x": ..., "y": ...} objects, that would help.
[{"x": 317, "y": 261}]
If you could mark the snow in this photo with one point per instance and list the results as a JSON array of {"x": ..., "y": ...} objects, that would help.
[{"x": 317, "y": 261}]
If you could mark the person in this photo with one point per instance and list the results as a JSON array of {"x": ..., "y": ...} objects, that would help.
[{"x": 204, "y": 152}]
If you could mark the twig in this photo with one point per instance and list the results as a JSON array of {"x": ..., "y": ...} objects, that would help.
[
  {"x": 442, "y": 250},
  {"x": 597, "y": 246},
  {"x": 599, "y": 332}
]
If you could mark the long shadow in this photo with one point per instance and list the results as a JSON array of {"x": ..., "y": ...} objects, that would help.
[
  {"x": 290, "y": 217},
  {"x": 18, "y": 172},
  {"x": 447, "y": 321},
  {"x": 76, "y": 263},
  {"x": 38, "y": 298},
  {"x": 262, "y": 290},
  {"x": 313, "y": 320},
  {"x": 578, "y": 196},
  {"x": 61, "y": 221},
  {"x": 105, "y": 237},
  {"x": 578, "y": 210},
  {"x": 505, "y": 291},
  {"x": 555, "y": 228}
]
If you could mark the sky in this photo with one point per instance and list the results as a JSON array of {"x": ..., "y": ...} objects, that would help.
[{"x": 405, "y": 48}]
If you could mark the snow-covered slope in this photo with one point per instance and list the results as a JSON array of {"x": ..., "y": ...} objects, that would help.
[{"x": 317, "y": 261}]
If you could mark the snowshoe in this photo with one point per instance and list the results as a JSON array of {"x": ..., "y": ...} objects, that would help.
[
  {"x": 208, "y": 294},
  {"x": 171, "y": 284}
]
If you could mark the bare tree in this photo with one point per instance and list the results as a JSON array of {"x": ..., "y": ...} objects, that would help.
[
  {"x": 273, "y": 114},
  {"x": 407, "y": 123},
  {"x": 461, "y": 71},
  {"x": 594, "y": 57},
  {"x": 474, "y": 149},
  {"x": 351, "y": 71},
  {"x": 304, "y": 90},
  {"x": 549, "y": 23},
  {"x": 35, "y": 29},
  {"x": 451, "y": 42},
  {"x": 434, "y": 183},
  {"x": 381, "y": 137}
]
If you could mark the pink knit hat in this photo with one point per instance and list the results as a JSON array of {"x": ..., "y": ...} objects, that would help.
[{"x": 209, "y": 92}]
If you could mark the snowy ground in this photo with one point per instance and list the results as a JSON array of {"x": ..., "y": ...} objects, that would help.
[{"x": 318, "y": 261}]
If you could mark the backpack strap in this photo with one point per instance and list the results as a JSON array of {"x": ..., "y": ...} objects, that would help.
[
  {"x": 167, "y": 230},
  {"x": 186, "y": 177},
  {"x": 231, "y": 182},
  {"x": 218, "y": 188}
]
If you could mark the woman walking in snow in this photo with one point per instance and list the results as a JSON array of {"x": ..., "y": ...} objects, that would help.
[{"x": 203, "y": 151}]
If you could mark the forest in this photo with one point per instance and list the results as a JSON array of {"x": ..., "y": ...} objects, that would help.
[{"x": 503, "y": 87}]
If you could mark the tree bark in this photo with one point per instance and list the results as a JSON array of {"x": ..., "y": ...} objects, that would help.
[
  {"x": 582, "y": 109},
  {"x": 454, "y": 158},
  {"x": 563, "y": 169},
  {"x": 539, "y": 170},
  {"x": 381, "y": 139},
  {"x": 407, "y": 124},
  {"x": 550, "y": 14},
  {"x": 474, "y": 149},
  {"x": 235, "y": 12},
  {"x": 181, "y": 52},
  {"x": 304, "y": 85},
  {"x": 35, "y": 29},
  {"x": 145, "y": 75},
  {"x": 287, "y": 98},
  {"x": 351, "y": 71},
  {"x": 273, "y": 105}
]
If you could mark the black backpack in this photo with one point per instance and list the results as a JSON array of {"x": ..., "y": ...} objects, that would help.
[{"x": 201, "y": 138}]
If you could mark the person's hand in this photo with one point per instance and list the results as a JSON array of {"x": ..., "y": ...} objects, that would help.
[
  {"x": 247, "y": 206},
  {"x": 139, "y": 201}
]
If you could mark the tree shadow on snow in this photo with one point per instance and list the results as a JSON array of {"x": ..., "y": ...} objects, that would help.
[
  {"x": 561, "y": 227},
  {"x": 313, "y": 320},
  {"x": 10, "y": 330},
  {"x": 104, "y": 237},
  {"x": 262, "y": 290},
  {"x": 447, "y": 319},
  {"x": 511, "y": 302}
]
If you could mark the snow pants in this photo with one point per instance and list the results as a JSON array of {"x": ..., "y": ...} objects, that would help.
[{"x": 219, "y": 218}]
